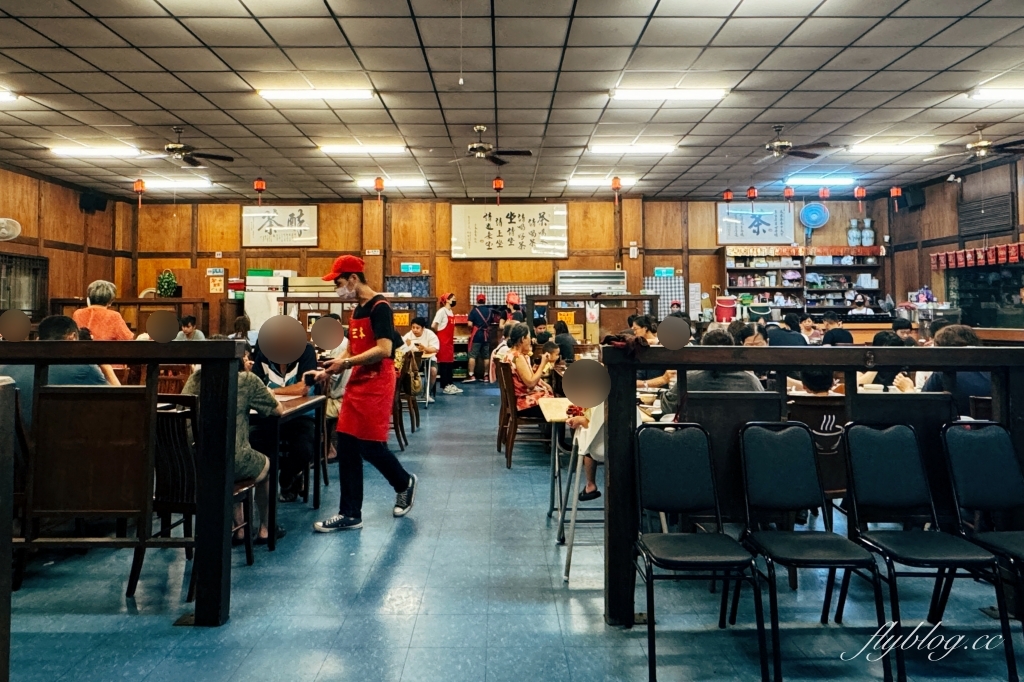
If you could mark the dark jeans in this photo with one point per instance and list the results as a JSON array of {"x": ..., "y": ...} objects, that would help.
[
  {"x": 444, "y": 370},
  {"x": 296, "y": 447},
  {"x": 351, "y": 453}
]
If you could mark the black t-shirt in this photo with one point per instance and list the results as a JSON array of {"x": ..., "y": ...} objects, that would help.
[
  {"x": 480, "y": 317},
  {"x": 777, "y": 336},
  {"x": 542, "y": 337},
  {"x": 381, "y": 320},
  {"x": 837, "y": 335},
  {"x": 566, "y": 349}
]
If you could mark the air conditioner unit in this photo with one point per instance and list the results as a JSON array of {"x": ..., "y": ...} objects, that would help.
[{"x": 571, "y": 282}]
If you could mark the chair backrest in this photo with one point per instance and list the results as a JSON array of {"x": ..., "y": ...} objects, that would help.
[
  {"x": 981, "y": 407},
  {"x": 175, "y": 454},
  {"x": 887, "y": 476},
  {"x": 722, "y": 414},
  {"x": 983, "y": 466},
  {"x": 779, "y": 468},
  {"x": 674, "y": 470},
  {"x": 825, "y": 415},
  {"x": 504, "y": 375},
  {"x": 23, "y": 452}
]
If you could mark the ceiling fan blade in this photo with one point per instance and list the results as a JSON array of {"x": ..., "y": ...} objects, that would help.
[
  {"x": 460, "y": 160},
  {"x": 512, "y": 152},
  {"x": 212, "y": 157},
  {"x": 945, "y": 156},
  {"x": 764, "y": 159},
  {"x": 192, "y": 161},
  {"x": 802, "y": 155},
  {"x": 1016, "y": 145},
  {"x": 496, "y": 160},
  {"x": 812, "y": 145}
]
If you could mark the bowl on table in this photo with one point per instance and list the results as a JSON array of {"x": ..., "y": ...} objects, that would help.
[{"x": 648, "y": 398}]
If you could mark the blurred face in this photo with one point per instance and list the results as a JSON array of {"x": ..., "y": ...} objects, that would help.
[
  {"x": 417, "y": 330},
  {"x": 541, "y": 328},
  {"x": 755, "y": 340},
  {"x": 526, "y": 344},
  {"x": 807, "y": 326},
  {"x": 904, "y": 333},
  {"x": 188, "y": 329}
]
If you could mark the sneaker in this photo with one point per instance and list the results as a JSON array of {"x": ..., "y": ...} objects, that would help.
[
  {"x": 430, "y": 399},
  {"x": 457, "y": 389},
  {"x": 451, "y": 390},
  {"x": 469, "y": 380},
  {"x": 404, "y": 499},
  {"x": 336, "y": 523}
]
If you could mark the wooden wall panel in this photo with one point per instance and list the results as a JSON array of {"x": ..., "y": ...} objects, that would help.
[
  {"x": 702, "y": 224},
  {"x": 61, "y": 220},
  {"x": 341, "y": 227},
  {"x": 165, "y": 227},
  {"x": 231, "y": 269},
  {"x": 457, "y": 275},
  {"x": 988, "y": 183},
  {"x": 591, "y": 226},
  {"x": 66, "y": 269},
  {"x": 374, "y": 271},
  {"x": 632, "y": 211},
  {"x": 124, "y": 219},
  {"x": 663, "y": 225},
  {"x": 938, "y": 218},
  {"x": 19, "y": 199},
  {"x": 255, "y": 261},
  {"x": 318, "y": 266},
  {"x": 123, "y": 278},
  {"x": 149, "y": 268},
  {"x": 526, "y": 271},
  {"x": 443, "y": 228},
  {"x": 99, "y": 267},
  {"x": 707, "y": 270},
  {"x": 373, "y": 224},
  {"x": 596, "y": 262},
  {"x": 220, "y": 228},
  {"x": 99, "y": 228},
  {"x": 412, "y": 226},
  {"x": 907, "y": 273}
]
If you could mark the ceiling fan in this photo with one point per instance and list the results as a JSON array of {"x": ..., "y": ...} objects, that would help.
[
  {"x": 486, "y": 150},
  {"x": 188, "y": 153},
  {"x": 983, "y": 148},
  {"x": 780, "y": 148}
]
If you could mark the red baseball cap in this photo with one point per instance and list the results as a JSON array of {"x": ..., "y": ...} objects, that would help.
[
  {"x": 346, "y": 263},
  {"x": 481, "y": 298}
]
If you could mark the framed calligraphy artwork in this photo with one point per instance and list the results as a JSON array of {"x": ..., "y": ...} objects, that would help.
[
  {"x": 762, "y": 222},
  {"x": 510, "y": 231},
  {"x": 279, "y": 226}
]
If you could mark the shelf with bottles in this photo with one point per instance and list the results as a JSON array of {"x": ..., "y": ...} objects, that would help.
[
  {"x": 763, "y": 263},
  {"x": 782, "y": 279},
  {"x": 842, "y": 261}
]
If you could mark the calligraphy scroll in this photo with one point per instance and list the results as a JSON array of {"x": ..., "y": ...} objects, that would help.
[
  {"x": 510, "y": 231},
  {"x": 279, "y": 226},
  {"x": 760, "y": 222}
]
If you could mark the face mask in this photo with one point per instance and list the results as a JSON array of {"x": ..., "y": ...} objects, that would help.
[
  {"x": 859, "y": 304},
  {"x": 345, "y": 292},
  {"x": 452, "y": 303}
]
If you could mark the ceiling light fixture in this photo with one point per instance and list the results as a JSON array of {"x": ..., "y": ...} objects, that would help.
[
  {"x": 190, "y": 183},
  {"x": 617, "y": 149},
  {"x": 96, "y": 152},
  {"x": 7, "y": 96},
  {"x": 368, "y": 183},
  {"x": 829, "y": 181},
  {"x": 996, "y": 93},
  {"x": 354, "y": 149},
  {"x": 668, "y": 94},
  {"x": 315, "y": 94},
  {"x": 891, "y": 149},
  {"x": 597, "y": 181}
]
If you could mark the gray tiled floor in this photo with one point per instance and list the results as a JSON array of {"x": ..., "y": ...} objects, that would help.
[{"x": 468, "y": 587}]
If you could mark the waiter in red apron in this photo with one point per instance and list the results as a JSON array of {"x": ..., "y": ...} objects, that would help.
[
  {"x": 444, "y": 326},
  {"x": 365, "y": 415}
]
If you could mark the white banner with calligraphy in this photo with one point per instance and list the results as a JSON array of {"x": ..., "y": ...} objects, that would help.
[
  {"x": 510, "y": 231},
  {"x": 762, "y": 222},
  {"x": 279, "y": 226}
]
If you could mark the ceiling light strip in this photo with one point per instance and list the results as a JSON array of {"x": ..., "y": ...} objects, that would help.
[
  {"x": 96, "y": 152},
  {"x": 618, "y": 149},
  {"x": 678, "y": 94},
  {"x": 360, "y": 149},
  {"x": 315, "y": 94}
]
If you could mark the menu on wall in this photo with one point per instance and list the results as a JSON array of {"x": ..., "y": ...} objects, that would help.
[
  {"x": 511, "y": 231},
  {"x": 279, "y": 226},
  {"x": 762, "y": 222}
]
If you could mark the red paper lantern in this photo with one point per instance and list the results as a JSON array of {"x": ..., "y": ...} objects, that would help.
[
  {"x": 260, "y": 186},
  {"x": 824, "y": 193},
  {"x": 751, "y": 193},
  {"x": 788, "y": 193},
  {"x": 139, "y": 187},
  {"x": 616, "y": 186},
  {"x": 497, "y": 185},
  {"x": 378, "y": 186},
  {"x": 859, "y": 193},
  {"x": 896, "y": 193},
  {"x": 727, "y": 196}
]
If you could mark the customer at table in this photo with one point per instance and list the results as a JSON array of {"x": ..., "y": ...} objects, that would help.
[
  {"x": 52, "y": 328},
  {"x": 834, "y": 332},
  {"x": 629, "y": 331},
  {"x": 296, "y": 435},
  {"x": 541, "y": 335},
  {"x": 788, "y": 334},
  {"x": 249, "y": 463},
  {"x": 752, "y": 335},
  {"x": 903, "y": 328},
  {"x": 529, "y": 386},
  {"x": 188, "y": 330},
  {"x": 480, "y": 321},
  {"x": 566, "y": 342},
  {"x": 589, "y": 437},
  {"x": 711, "y": 380},
  {"x": 103, "y": 323},
  {"x": 734, "y": 328},
  {"x": 892, "y": 381},
  {"x": 967, "y": 383},
  {"x": 647, "y": 327},
  {"x": 500, "y": 351},
  {"x": 444, "y": 326},
  {"x": 243, "y": 331},
  {"x": 817, "y": 382},
  {"x": 420, "y": 338},
  {"x": 860, "y": 306},
  {"x": 808, "y": 330}
]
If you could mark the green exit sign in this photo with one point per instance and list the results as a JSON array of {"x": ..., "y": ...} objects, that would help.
[
  {"x": 410, "y": 267},
  {"x": 664, "y": 272}
]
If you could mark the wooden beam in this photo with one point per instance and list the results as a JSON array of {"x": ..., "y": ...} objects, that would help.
[{"x": 7, "y": 417}]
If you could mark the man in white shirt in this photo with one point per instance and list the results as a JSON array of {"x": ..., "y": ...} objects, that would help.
[{"x": 420, "y": 338}]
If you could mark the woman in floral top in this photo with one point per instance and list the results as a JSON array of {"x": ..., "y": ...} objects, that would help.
[{"x": 529, "y": 387}]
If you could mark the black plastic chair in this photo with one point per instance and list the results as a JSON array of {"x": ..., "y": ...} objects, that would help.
[
  {"x": 780, "y": 475},
  {"x": 888, "y": 483},
  {"x": 987, "y": 478},
  {"x": 675, "y": 476}
]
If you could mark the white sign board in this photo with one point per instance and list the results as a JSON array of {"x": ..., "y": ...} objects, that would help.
[
  {"x": 511, "y": 231},
  {"x": 759, "y": 223},
  {"x": 279, "y": 226}
]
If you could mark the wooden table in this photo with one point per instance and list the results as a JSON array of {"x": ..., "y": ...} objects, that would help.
[
  {"x": 293, "y": 409},
  {"x": 554, "y": 410}
]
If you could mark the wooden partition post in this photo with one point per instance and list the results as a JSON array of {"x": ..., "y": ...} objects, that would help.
[
  {"x": 621, "y": 518},
  {"x": 7, "y": 418}
]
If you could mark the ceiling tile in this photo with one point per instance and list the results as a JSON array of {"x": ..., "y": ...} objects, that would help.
[
  {"x": 976, "y": 32},
  {"x": 595, "y": 58},
  {"x": 904, "y": 31},
  {"x": 606, "y": 31},
  {"x": 149, "y": 82},
  {"x": 448, "y": 32},
  {"x": 749, "y": 32},
  {"x": 391, "y": 58},
  {"x": 680, "y": 32},
  {"x": 696, "y": 8},
  {"x": 716, "y": 58},
  {"x": 254, "y": 58},
  {"x": 380, "y": 32},
  {"x": 186, "y": 59},
  {"x": 48, "y": 59},
  {"x": 525, "y": 81},
  {"x": 830, "y": 32},
  {"x": 865, "y": 58},
  {"x": 15, "y": 34},
  {"x": 532, "y": 8},
  {"x": 152, "y": 32},
  {"x": 235, "y": 32},
  {"x": 528, "y": 59},
  {"x": 454, "y": 59}
]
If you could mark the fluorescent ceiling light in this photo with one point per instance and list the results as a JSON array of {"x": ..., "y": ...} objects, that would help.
[
  {"x": 597, "y": 181},
  {"x": 668, "y": 94},
  {"x": 7, "y": 96},
  {"x": 819, "y": 181},
  {"x": 95, "y": 152},
  {"x": 392, "y": 182},
  {"x": 315, "y": 94},
  {"x": 190, "y": 183},
  {"x": 651, "y": 149},
  {"x": 997, "y": 93},
  {"x": 363, "y": 149},
  {"x": 891, "y": 149}
]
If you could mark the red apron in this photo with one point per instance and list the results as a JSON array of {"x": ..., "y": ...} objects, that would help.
[
  {"x": 446, "y": 353},
  {"x": 370, "y": 392}
]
